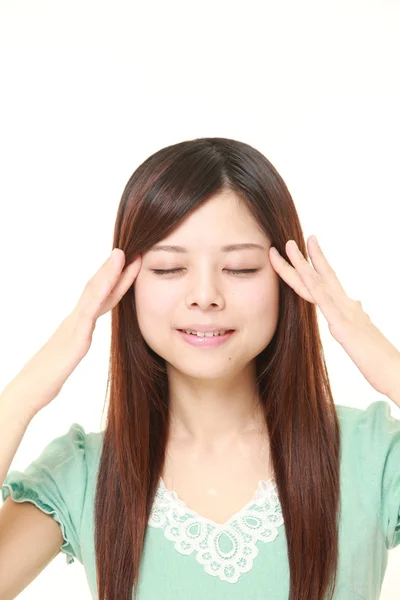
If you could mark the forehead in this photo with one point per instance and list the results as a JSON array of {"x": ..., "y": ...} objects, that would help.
[{"x": 223, "y": 223}]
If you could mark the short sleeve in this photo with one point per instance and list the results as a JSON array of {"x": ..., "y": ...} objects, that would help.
[
  {"x": 56, "y": 483},
  {"x": 380, "y": 446}
]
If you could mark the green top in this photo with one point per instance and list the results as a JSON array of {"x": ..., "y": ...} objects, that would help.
[{"x": 186, "y": 555}]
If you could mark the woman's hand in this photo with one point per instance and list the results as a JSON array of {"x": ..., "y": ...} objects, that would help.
[
  {"x": 376, "y": 358},
  {"x": 44, "y": 375}
]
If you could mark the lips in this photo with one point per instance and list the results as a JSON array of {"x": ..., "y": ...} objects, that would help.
[{"x": 205, "y": 341}]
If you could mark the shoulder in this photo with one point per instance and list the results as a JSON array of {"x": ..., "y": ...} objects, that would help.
[
  {"x": 374, "y": 422},
  {"x": 60, "y": 481},
  {"x": 368, "y": 433},
  {"x": 370, "y": 462},
  {"x": 84, "y": 445}
]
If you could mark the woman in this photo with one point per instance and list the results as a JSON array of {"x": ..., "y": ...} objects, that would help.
[{"x": 225, "y": 468}]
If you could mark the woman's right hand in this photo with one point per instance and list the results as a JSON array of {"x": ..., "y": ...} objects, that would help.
[{"x": 44, "y": 375}]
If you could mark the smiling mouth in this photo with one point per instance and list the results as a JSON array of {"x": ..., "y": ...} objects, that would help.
[{"x": 226, "y": 331}]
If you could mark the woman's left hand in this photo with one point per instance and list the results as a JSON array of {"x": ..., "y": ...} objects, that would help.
[{"x": 376, "y": 358}]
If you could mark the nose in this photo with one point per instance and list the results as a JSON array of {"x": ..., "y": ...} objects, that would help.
[{"x": 205, "y": 290}]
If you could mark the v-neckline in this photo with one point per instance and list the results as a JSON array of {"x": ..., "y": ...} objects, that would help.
[
  {"x": 224, "y": 550},
  {"x": 264, "y": 487}
]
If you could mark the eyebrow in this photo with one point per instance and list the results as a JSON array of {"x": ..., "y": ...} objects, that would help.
[{"x": 228, "y": 248}]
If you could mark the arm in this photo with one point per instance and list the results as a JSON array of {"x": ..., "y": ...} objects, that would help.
[{"x": 22, "y": 557}]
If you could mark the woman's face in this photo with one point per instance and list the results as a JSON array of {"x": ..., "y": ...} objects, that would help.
[{"x": 205, "y": 291}]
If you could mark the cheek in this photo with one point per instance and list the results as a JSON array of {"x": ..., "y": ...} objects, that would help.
[
  {"x": 264, "y": 306},
  {"x": 263, "y": 317},
  {"x": 154, "y": 311},
  {"x": 259, "y": 298},
  {"x": 152, "y": 306}
]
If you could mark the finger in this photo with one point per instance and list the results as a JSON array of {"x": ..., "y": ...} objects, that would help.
[
  {"x": 290, "y": 276},
  {"x": 99, "y": 286},
  {"x": 125, "y": 281},
  {"x": 322, "y": 266},
  {"x": 327, "y": 293}
]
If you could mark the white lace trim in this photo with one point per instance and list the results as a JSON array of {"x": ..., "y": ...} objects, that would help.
[{"x": 257, "y": 520}]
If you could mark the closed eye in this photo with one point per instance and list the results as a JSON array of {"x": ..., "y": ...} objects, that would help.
[{"x": 166, "y": 271}]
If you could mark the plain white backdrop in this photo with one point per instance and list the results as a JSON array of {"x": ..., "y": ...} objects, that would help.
[{"x": 89, "y": 89}]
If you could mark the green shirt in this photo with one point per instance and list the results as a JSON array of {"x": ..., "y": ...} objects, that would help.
[{"x": 248, "y": 558}]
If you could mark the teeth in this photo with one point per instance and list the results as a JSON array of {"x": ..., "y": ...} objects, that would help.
[{"x": 206, "y": 333}]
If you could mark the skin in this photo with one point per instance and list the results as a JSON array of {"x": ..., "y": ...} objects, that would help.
[{"x": 213, "y": 395}]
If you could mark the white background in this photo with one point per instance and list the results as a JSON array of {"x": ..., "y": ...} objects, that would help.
[{"x": 89, "y": 89}]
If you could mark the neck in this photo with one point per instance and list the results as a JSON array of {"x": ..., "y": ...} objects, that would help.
[{"x": 208, "y": 412}]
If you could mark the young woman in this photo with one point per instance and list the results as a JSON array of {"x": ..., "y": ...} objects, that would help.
[{"x": 225, "y": 469}]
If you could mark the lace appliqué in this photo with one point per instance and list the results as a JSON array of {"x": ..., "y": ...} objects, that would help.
[{"x": 226, "y": 550}]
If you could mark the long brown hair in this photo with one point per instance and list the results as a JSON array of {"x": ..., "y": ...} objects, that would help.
[{"x": 292, "y": 377}]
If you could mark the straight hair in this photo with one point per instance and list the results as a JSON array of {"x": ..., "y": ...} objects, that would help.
[{"x": 292, "y": 378}]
